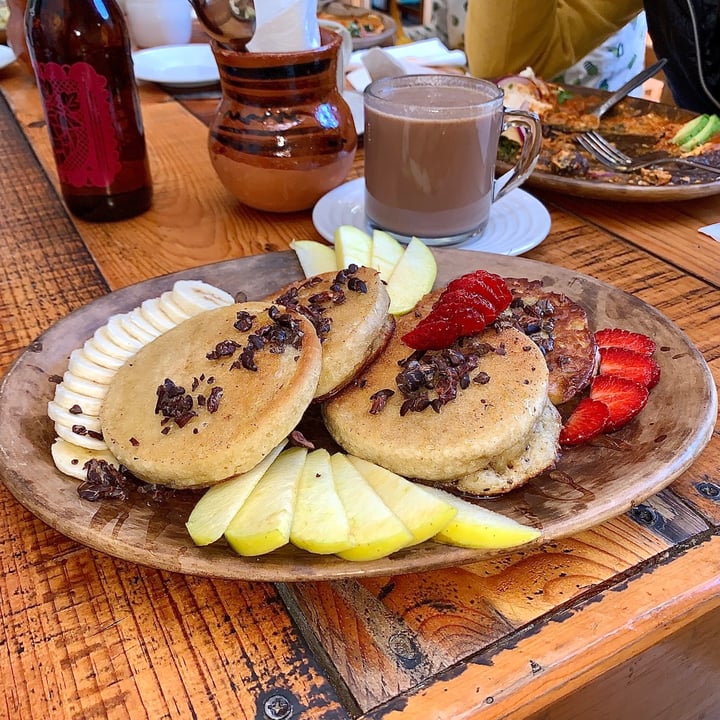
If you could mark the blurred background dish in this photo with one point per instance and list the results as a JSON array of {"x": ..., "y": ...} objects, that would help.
[
  {"x": 368, "y": 28},
  {"x": 190, "y": 65}
]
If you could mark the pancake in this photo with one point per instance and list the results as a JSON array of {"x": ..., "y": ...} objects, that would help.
[
  {"x": 350, "y": 313},
  {"x": 495, "y": 412},
  {"x": 174, "y": 416},
  {"x": 536, "y": 454},
  {"x": 560, "y": 328}
]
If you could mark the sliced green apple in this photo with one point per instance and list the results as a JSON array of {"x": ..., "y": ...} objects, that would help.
[
  {"x": 263, "y": 522},
  {"x": 386, "y": 253},
  {"x": 477, "y": 527},
  {"x": 314, "y": 257},
  {"x": 375, "y": 530},
  {"x": 413, "y": 277},
  {"x": 219, "y": 505},
  {"x": 421, "y": 512},
  {"x": 320, "y": 523},
  {"x": 352, "y": 245}
]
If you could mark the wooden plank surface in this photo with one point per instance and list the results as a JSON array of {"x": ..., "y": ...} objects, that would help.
[{"x": 442, "y": 644}]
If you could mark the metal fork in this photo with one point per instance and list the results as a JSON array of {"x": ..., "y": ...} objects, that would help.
[{"x": 613, "y": 158}]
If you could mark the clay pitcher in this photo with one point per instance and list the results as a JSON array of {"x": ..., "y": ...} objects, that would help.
[{"x": 283, "y": 136}]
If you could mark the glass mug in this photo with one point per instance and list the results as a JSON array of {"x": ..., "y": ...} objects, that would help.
[{"x": 430, "y": 151}]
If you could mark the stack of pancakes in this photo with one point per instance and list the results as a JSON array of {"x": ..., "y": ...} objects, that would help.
[{"x": 212, "y": 397}]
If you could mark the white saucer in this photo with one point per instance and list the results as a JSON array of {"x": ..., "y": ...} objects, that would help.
[
  {"x": 518, "y": 222},
  {"x": 6, "y": 56},
  {"x": 191, "y": 65}
]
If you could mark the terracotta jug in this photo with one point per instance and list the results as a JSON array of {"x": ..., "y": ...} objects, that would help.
[{"x": 283, "y": 136}]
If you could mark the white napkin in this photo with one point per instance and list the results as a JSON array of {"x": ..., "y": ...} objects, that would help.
[
  {"x": 412, "y": 59},
  {"x": 712, "y": 230},
  {"x": 285, "y": 26}
]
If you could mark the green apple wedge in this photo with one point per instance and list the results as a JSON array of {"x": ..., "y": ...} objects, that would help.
[
  {"x": 263, "y": 522},
  {"x": 219, "y": 505},
  {"x": 421, "y": 512},
  {"x": 314, "y": 257},
  {"x": 375, "y": 530},
  {"x": 386, "y": 253},
  {"x": 477, "y": 527},
  {"x": 320, "y": 523},
  {"x": 352, "y": 245},
  {"x": 413, "y": 277}
]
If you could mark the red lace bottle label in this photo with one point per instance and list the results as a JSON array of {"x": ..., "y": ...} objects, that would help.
[{"x": 78, "y": 108}]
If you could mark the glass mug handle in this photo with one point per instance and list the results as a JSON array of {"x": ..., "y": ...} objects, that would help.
[{"x": 528, "y": 154}]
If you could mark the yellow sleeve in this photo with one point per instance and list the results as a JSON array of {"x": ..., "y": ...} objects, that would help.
[{"x": 504, "y": 36}]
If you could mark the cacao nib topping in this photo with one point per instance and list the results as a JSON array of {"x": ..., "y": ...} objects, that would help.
[
  {"x": 174, "y": 404},
  {"x": 297, "y": 439},
  {"x": 213, "y": 401},
  {"x": 55, "y": 379},
  {"x": 244, "y": 321},
  {"x": 357, "y": 285},
  {"x": 134, "y": 442},
  {"x": 482, "y": 378},
  {"x": 534, "y": 318},
  {"x": 311, "y": 282},
  {"x": 106, "y": 482},
  {"x": 431, "y": 378},
  {"x": 200, "y": 400},
  {"x": 246, "y": 360},
  {"x": 225, "y": 348},
  {"x": 75, "y": 410},
  {"x": 79, "y": 429},
  {"x": 379, "y": 400},
  {"x": 95, "y": 435}
]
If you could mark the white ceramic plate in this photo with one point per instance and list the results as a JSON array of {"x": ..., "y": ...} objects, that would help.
[
  {"x": 190, "y": 65},
  {"x": 518, "y": 222},
  {"x": 6, "y": 56}
]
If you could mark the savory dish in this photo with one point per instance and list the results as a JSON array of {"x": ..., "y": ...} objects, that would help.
[
  {"x": 359, "y": 22},
  {"x": 636, "y": 127}
]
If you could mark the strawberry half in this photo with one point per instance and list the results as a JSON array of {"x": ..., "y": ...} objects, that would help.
[
  {"x": 490, "y": 285},
  {"x": 615, "y": 337},
  {"x": 457, "y": 300},
  {"x": 624, "y": 399},
  {"x": 432, "y": 334},
  {"x": 587, "y": 420},
  {"x": 630, "y": 365}
]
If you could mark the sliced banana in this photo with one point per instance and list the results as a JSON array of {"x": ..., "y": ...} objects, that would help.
[
  {"x": 172, "y": 309},
  {"x": 83, "y": 386},
  {"x": 196, "y": 296},
  {"x": 67, "y": 398},
  {"x": 83, "y": 367},
  {"x": 136, "y": 317},
  {"x": 70, "y": 458},
  {"x": 86, "y": 441},
  {"x": 135, "y": 330},
  {"x": 121, "y": 337},
  {"x": 61, "y": 416},
  {"x": 105, "y": 344},
  {"x": 94, "y": 354},
  {"x": 156, "y": 316}
]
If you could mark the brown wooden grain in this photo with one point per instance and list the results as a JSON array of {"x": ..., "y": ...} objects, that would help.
[{"x": 87, "y": 635}]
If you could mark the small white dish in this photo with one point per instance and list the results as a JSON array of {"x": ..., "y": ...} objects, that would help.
[
  {"x": 7, "y": 56},
  {"x": 191, "y": 65},
  {"x": 518, "y": 222},
  {"x": 357, "y": 108}
]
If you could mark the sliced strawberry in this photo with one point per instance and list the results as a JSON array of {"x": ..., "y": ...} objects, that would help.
[
  {"x": 460, "y": 299},
  {"x": 587, "y": 420},
  {"x": 630, "y": 365},
  {"x": 487, "y": 284},
  {"x": 615, "y": 337},
  {"x": 469, "y": 319},
  {"x": 432, "y": 334},
  {"x": 624, "y": 398}
]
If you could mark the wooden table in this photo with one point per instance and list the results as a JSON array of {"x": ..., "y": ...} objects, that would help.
[{"x": 621, "y": 621}]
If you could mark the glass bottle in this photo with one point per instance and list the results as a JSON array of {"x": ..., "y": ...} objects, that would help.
[{"x": 80, "y": 53}]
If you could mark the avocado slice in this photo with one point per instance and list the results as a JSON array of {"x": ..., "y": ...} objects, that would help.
[
  {"x": 708, "y": 130},
  {"x": 690, "y": 129}
]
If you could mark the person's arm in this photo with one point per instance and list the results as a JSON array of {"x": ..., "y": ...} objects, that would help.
[{"x": 505, "y": 36}]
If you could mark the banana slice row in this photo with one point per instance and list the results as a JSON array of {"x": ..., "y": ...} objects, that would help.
[{"x": 75, "y": 408}]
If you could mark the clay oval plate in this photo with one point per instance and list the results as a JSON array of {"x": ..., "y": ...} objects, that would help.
[{"x": 596, "y": 483}]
